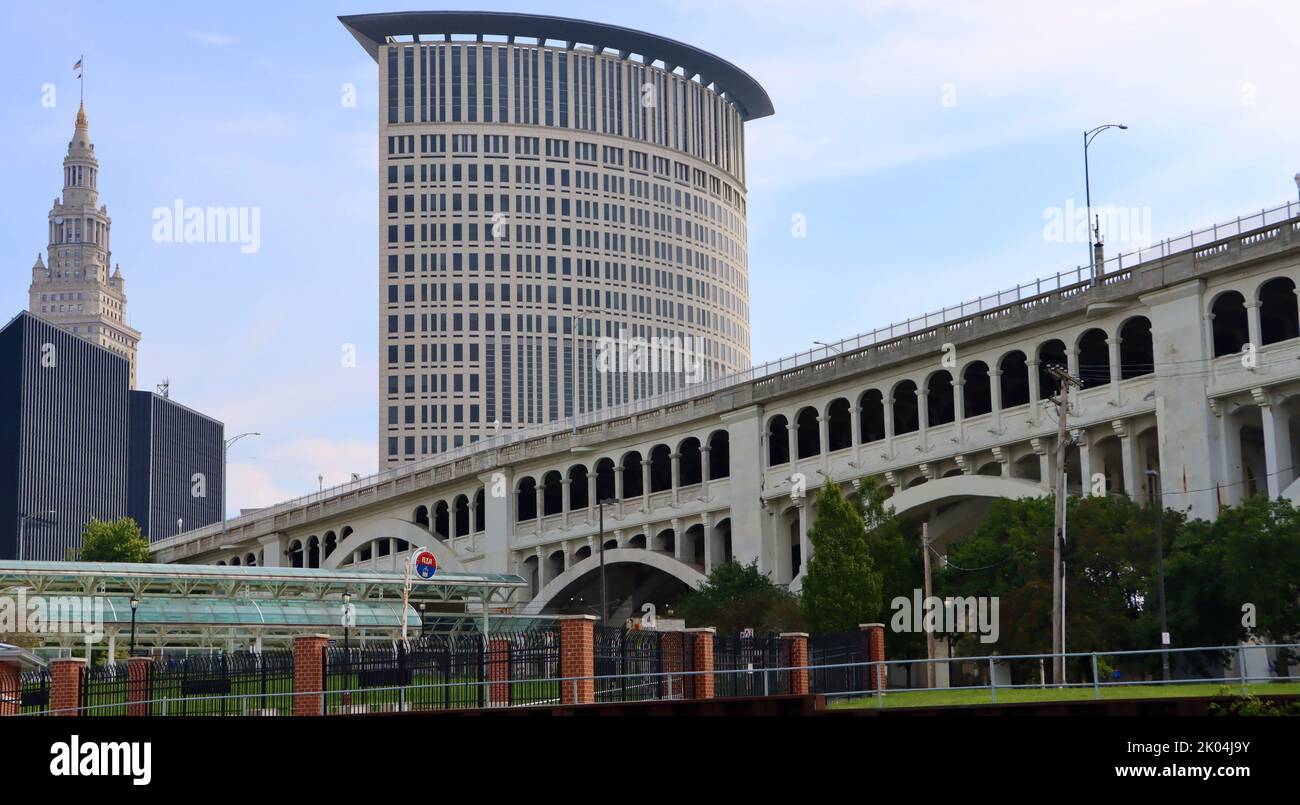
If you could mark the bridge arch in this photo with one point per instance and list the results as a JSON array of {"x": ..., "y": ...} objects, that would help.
[
  {"x": 551, "y": 592},
  {"x": 394, "y": 528}
]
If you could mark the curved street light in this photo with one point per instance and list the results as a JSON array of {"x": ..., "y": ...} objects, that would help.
[
  {"x": 1088, "y": 137},
  {"x": 225, "y": 453}
]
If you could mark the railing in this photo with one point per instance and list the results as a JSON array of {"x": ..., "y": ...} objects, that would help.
[
  {"x": 31, "y": 696},
  {"x": 259, "y": 683},
  {"x": 751, "y": 666},
  {"x": 1086, "y": 679},
  {"x": 1076, "y": 280},
  {"x": 636, "y": 665}
]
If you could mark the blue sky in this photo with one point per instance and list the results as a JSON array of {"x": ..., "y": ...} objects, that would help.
[{"x": 922, "y": 143}]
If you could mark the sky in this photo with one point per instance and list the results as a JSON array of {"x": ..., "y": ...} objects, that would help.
[{"x": 918, "y": 155}]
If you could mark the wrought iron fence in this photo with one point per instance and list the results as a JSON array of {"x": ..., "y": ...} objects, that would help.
[
  {"x": 103, "y": 689},
  {"x": 533, "y": 659},
  {"x": 828, "y": 654},
  {"x": 30, "y": 695},
  {"x": 238, "y": 683},
  {"x": 753, "y": 664},
  {"x": 629, "y": 664}
]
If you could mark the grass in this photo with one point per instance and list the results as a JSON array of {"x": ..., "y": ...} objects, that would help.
[{"x": 955, "y": 697}]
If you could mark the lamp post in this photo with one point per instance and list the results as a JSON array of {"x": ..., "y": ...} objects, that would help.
[
  {"x": 135, "y": 604},
  {"x": 1297, "y": 183},
  {"x": 225, "y": 453},
  {"x": 1088, "y": 137},
  {"x": 1159, "y": 499},
  {"x": 604, "y": 597},
  {"x": 22, "y": 522}
]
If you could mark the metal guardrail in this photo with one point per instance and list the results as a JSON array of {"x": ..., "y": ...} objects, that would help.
[
  {"x": 1077, "y": 278},
  {"x": 671, "y": 685}
]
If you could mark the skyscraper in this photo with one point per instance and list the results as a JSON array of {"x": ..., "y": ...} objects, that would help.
[
  {"x": 562, "y": 221},
  {"x": 81, "y": 290}
]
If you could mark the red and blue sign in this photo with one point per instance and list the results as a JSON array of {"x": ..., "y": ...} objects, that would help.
[{"x": 425, "y": 564}]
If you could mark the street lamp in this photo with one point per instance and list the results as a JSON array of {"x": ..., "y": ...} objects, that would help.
[
  {"x": 604, "y": 597},
  {"x": 22, "y": 522},
  {"x": 1297, "y": 183},
  {"x": 225, "y": 452},
  {"x": 1088, "y": 137},
  {"x": 1159, "y": 500},
  {"x": 135, "y": 604},
  {"x": 831, "y": 347}
]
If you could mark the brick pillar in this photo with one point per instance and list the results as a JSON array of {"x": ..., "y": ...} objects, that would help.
[
  {"x": 66, "y": 677},
  {"x": 873, "y": 650},
  {"x": 796, "y": 656},
  {"x": 498, "y": 671},
  {"x": 672, "y": 661},
  {"x": 702, "y": 646},
  {"x": 11, "y": 688},
  {"x": 137, "y": 685},
  {"x": 578, "y": 659},
  {"x": 309, "y": 674}
]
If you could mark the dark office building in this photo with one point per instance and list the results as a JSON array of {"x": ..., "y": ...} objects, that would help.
[
  {"x": 76, "y": 443},
  {"x": 63, "y": 437},
  {"x": 175, "y": 467}
]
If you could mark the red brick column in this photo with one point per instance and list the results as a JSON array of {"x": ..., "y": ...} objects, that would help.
[
  {"x": 137, "y": 685},
  {"x": 796, "y": 654},
  {"x": 66, "y": 677},
  {"x": 873, "y": 650},
  {"x": 498, "y": 671},
  {"x": 672, "y": 661},
  {"x": 578, "y": 659},
  {"x": 11, "y": 688},
  {"x": 309, "y": 674},
  {"x": 702, "y": 645}
]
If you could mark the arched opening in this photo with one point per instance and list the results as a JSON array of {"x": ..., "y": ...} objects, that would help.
[
  {"x": 442, "y": 518},
  {"x": 992, "y": 468},
  {"x": 480, "y": 512},
  {"x": 605, "y": 479},
  {"x": 632, "y": 480},
  {"x": 719, "y": 454},
  {"x": 839, "y": 425},
  {"x": 530, "y": 573},
  {"x": 1014, "y": 381},
  {"x": 331, "y": 542},
  {"x": 690, "y": 470},
  {"x": 526, "y": 500},
  {"x": 637, "y": 542},
  {"x": 554, "y": 565},
  {"x": 906, "y": 418},
  {"x": 665, "y": 541},
  {"x": 939, "y": 406},
  {"x": 421, "y": 517},
  {"x": 1137, "y": 355},
  {"x": 871, "y": 416},
  {"x": 628, "y": 585},
  {"x": 1050, "y": 353},
  {"x": 552, "y": 493},
  {"x": 462, "y": 516},
  {"x": 1028, "y": 467},
  {"x": 661, "y": 469},
  {"x": 808, "y": 436},
  {"x": 1094, "y": 359},
  {"x": 976, "y": 394},
  {"x": 1279, "y": 316},
  {"x": 579, "y": 487},
  {"x": 295, "y": 554},
  {"x": 313, "y": 551},
  {"x": 250, "y": 560},
  {"x": 778, "y": 441},
  {"x": 721, "y": 537},
  {"x": 582, "y": 553},
  {"x": 1229, "y": 323}
]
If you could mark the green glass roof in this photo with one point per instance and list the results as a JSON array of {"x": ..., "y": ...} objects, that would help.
[{"x": 261, "y": 612}]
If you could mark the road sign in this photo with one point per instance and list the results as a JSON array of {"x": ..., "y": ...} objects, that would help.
[{"x": 425, "y": 563}]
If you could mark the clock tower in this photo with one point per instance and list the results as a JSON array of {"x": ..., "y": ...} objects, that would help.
[{"x": 80, "y": 289}]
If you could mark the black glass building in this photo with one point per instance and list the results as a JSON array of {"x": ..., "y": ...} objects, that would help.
[{"x": 175, "y": 467}]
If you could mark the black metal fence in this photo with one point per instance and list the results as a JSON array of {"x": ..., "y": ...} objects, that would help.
[
  {"x": 645, "y": 665},
  {"x": 444, "y": 672},
  {"x": 103, "y": 689},
  {"x": 31, "y": 694},
  {"x": 238, "y": 683},
  {"x": 746, "y": 666},
  {"x": 837, "y": 649}
]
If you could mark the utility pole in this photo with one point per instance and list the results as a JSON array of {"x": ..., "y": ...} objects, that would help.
[
  {"x": 1062, "y": 399},
  {"x": 929, "y": 633},
  {"x": 1158, "y": 499}
]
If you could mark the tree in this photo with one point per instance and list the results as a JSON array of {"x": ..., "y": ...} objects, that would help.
[
  {"x": 735, "y": 597},
  {"x": 115, "y": 541},
  {"x": 842, "y": 587},
  {"x": 894, "y": 544}
]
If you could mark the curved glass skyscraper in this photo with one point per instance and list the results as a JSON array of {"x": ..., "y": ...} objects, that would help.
[{"x": 562, "y": 221}]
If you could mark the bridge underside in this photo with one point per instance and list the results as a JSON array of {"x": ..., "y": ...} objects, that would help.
[{"x": 633, "y": 577}]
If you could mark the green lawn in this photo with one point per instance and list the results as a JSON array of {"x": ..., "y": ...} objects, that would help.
[{"x": 950, "y": 697}]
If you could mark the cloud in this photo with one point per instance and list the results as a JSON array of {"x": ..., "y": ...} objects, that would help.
[
  {"x": 214, "y": 39},
  {"x": 276, "y": 472}
]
